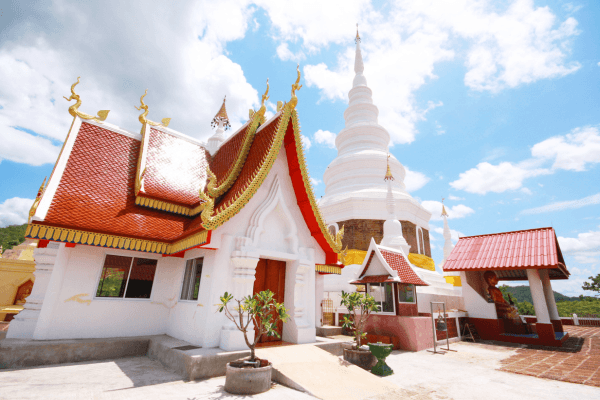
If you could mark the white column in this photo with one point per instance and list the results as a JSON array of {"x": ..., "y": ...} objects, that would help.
[
  {"x": 24, "y": 324},
  {"x": 539, "y": 299},
  {"x": 300, "y": 301},
  {"x": 244, "y": 269},
  {"x": 550, "y": 301}
]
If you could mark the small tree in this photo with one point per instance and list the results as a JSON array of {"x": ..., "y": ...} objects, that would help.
[
  {"x": 360, "y": 307},
  {"x": 594, "y": 285},
  {"x": 260, "y": 309}
]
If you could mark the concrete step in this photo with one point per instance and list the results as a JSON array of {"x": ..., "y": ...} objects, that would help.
[
  {"x": 324, "y": 331},
  {"x": 311, "y": 369}
]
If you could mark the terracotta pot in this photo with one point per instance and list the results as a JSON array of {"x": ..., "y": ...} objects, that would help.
[
  {"x": 362, "y": 358},
  {"x": 247, "y": 380}
]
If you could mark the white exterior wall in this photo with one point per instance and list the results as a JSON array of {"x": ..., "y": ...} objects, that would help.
[{"x": 476, "y": 305}]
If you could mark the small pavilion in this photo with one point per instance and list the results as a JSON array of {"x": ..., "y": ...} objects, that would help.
[{"x": 531, "y": 255}]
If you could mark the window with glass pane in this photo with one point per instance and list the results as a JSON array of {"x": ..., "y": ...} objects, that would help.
[
  {"x": 384, "y": 295},
  {"x": 406, "y": 293},
  {"x": 114, "y": 276},
  {"x": 191, "y": 279},
  {"x": 126, "y": 277},
  {"x": 141, "y": 278}
]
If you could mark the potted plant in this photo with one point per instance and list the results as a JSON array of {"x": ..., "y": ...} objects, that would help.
[
  {"x": 259, "y": 313},
  {"x": 359, "y": 307}
]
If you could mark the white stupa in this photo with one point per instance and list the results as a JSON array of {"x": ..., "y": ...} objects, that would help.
[
  {"x": 354, "y": 189},
  {"x": 221, "y": 122}
]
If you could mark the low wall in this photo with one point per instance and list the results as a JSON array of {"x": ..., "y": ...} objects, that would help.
[
  {"x": 575, "y": 320},
  {"x": 406, "y": 333}
]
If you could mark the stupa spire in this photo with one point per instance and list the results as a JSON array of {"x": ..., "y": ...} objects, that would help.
[
  {"x": 447, "y": 235},
  {"x": 359, "y": 66}
]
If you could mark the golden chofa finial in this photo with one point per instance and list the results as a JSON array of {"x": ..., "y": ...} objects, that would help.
[
  {"x": 296, "y": 86},
  {"x": 263, "y": 107},
  {"x": 74, "y": 109},
  {"x": 388, "y": 174},
  {"x": 142, "y": 117},
  {"x": 357, "y": 40}
]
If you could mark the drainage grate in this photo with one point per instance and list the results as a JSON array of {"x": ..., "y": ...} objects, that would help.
[{"x": 188, "y": 347}]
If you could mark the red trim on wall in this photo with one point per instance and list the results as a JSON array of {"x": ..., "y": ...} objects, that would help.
[
  {"x": 42, "y": 244},
  {"x": 70, "y": 244}
]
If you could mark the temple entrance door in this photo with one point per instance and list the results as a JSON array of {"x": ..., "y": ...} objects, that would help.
[{"x": 270, "y": 274}]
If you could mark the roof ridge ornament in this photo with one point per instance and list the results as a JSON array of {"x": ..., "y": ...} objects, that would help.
[
  {"x": 294, "y": 100},
  {"x": 74, "y": 109},
  {"x": 388, "y": 174},
  {"x": 164, "y": 122},
  {"x": 263, "y": 108},
  {"x": 37, "y": 200},
  {"x": 221, "y": 116}
]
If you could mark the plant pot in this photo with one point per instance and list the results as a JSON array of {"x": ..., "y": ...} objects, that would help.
[
  {"x": 361, "y": 358},
  {"x": 247, "y": 380}
]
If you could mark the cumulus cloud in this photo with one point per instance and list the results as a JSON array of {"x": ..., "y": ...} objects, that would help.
[
  {"x": 414, "y": 180},
  {"x": 325, "y": 137},
  {"x": 455, "y": 198},
  {"x": 454, "y": 234},
  {"x": 574, "y": 151},
  {"x": 585, "y": 247},
  {"x": 39, "y": 62},
  {"x": 315, "y": 181},
  {"x": 486, "y": 177},
  {"x": 502, "y": 49},
  {"x": 306, "y": 142},
  {"x": 564, "y": 205},
  {"x": 454, "y": 212},
  {"x": 284, "y": 53},
  {"x": 14, "y": 211}
]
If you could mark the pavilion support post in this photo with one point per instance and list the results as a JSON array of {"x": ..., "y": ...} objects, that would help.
[
  {"x": 550, "y": 301},
  {"x": 544, "y": 328}
]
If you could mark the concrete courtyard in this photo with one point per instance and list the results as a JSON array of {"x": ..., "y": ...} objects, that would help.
[{"x": 472, "y": 372}]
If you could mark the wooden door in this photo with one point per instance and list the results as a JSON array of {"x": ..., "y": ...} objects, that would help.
[{"x": 270, "y": 274}]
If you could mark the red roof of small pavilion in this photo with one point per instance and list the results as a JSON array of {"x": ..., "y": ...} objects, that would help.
[
  {"x": 396, "y": 262},
  {"x": 507, "y": 253}
]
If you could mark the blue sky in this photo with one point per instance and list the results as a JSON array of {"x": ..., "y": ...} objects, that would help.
[{"x": 493, "y": 105}]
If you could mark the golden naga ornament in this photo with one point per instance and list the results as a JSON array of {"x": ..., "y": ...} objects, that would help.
[
  {"x": 164, "y": 122},
  {"x": 263, "y": 108},
  {"x": 208, "y": 205},
  {"x": 296, "y": 86},
  {"x": 344, "y": 255},
  {"x": 338, "y": 240},
  {"x": 74, "y": 109},
  {"x": 37, "y": 200}
]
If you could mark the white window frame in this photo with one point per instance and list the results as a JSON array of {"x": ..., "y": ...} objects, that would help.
[
  {"x": 99, "y": 276},
  {"x": 380, "y": 304},
  {"x": 183, "y": 281},
  {"x": 420, "y": 241},
  {"x": 414, "y": 296}
]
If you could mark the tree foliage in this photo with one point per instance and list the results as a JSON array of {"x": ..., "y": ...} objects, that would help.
[
  {"x": 360, "y": 306},
  {"x": 261, "y": 310},
  {"x": 12, "y": 236},
  {"x": 594, "y": 285}
]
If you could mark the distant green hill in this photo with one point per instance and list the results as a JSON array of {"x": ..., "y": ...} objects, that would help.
[
  {"x": 522, "y": 293},
  {"x": 12, "y": 236}
]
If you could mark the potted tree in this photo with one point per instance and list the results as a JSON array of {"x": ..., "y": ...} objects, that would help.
[
  {"x": 359, "y": 307},
  {"x": 259, "y": 313}
]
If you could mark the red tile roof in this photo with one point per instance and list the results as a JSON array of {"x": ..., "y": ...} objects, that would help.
[
  {"x": 175, "y": 169},
  {"x": 96, "y": 192},
  {"x": 398, "y": 263},
  {"x": 519, "y": 250},
  {"x": 228, "y": 153}
]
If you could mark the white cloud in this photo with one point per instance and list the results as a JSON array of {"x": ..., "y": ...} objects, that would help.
[
  {"x": 22, "y": 147},
  {"x": 455, "y": 198},
  {"x": 454, "y": 212},
  {"x": 573, "y": 151},
  {"x": 504, "y": 48},
  {"x": 414, "y": 180},
  {"x": 454, "y": 234},
  {"x": 14, "y": 211},
  {"x": 306, "y": 142},
  {"x": 284, "y": 53},
  {"x": 585, "y": 247},
  {"x": 564, "y": 205},
  {"x": 486, "y": 177},
  {"x": 38, "y": 66},
  {"x": 315, "y": 181},
  {"x": 325, "y": 137}
]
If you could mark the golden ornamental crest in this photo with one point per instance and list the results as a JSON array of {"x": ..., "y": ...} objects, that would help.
[
  {"x": 74, "y": 109},
  {"x": 164, "y": 122}
]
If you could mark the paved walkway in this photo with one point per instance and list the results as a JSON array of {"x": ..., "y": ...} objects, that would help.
[{"x": 578, "y": 361}]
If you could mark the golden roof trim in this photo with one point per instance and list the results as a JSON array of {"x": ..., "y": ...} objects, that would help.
[
  {"x": 87, "y": 238},
  {"x": 164, "y": 122},
  {"x": 328, "y": 269}
]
